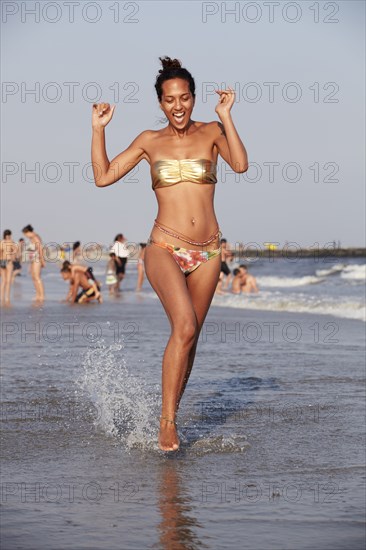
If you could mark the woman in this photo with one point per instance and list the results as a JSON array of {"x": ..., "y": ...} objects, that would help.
[
  {"x": 183, "y": 256},
  {"x": 76, "y": 255},
  {"x": 9, "y": 251},
  {"x": 140, "y": 267},
  {"x": 122, "y": 253},
  {"x": 36, "y": 258}
]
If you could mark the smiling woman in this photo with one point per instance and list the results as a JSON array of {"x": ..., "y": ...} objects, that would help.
[{"x": 183, "y": 159}]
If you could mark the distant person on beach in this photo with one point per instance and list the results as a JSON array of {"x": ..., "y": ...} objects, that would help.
[
  {"x": 76, "y": 255},
  {"x": 9, "y": 251},
  {"x": 36, "y": 260},
  {"x": 79, "y": 281},
  {"x": 248, "y": 282},
  {"x": 226, "y": 256},
  {"x": 183, "y": 162},
  {"x": 225, "y": 273},
  {"x": 81, "y": 269},
  {"x": 111, "y": 279},
  {"x": 236, "y": 283},
  {"x": 17, "y": 264},
  {"x": 122, "y": 252},
  {"x": 140, "y": 267},
  {"x": 62, "y": 252}
]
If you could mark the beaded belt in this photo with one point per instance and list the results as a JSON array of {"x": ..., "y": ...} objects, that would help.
[{"x": 185, "y": 239}]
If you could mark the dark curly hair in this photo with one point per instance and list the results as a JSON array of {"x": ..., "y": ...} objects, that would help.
[
  {"x": 172, "y": 68},
  {"x": 27, "y": 228}
]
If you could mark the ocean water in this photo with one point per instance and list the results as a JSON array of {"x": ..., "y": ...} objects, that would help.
[{"x": 272, "y": 422}]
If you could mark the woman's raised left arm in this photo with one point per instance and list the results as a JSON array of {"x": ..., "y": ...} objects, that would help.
[{"x": 228, "y": 142}]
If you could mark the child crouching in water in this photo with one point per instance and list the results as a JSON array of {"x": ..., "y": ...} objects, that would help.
[{"x": 80, "y": 279}]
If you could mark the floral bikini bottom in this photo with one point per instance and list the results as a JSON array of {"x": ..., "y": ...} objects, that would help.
[{"x": 188, "y": 260}]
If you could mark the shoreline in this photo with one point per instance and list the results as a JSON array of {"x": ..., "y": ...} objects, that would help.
[
  {"x": 241, "y": 253},
  {"x": 300, "y": 253}
]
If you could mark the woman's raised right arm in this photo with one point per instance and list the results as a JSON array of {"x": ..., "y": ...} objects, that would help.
[{"x": 105, "y": 172}]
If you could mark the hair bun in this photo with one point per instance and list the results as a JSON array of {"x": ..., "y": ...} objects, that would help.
[
  {"x": 169, "y": 63},
  {"x": 172, "y": 68}
]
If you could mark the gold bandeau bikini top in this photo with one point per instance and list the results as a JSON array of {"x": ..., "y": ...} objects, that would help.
[{"x": 168, "y": 172}]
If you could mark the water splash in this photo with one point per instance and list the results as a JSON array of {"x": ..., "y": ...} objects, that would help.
[
  {"x": 125, "y": 406},
  {"x": 221, "y": 444}
]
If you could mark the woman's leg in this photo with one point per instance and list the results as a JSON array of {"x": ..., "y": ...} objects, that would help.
[
  {"x": 201, "y": 286},
  {"x": 8, "y": 280},
  {"x": 3, "y": 283},
  {"x": 170, "y": 285},
  {"x": 38, "y": 284},
  {"x": 15, "y": 273}
]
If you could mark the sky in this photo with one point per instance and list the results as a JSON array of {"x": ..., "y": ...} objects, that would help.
[{"x": 298, "y": 69}]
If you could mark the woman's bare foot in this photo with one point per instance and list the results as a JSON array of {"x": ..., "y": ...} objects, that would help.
[{"x": 168, "y": 438}]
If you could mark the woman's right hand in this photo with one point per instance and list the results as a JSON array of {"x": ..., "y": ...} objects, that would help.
[{"x": 102, "y": 114}]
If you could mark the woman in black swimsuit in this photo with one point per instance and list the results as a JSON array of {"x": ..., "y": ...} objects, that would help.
[{"x": 182, "y": 259}]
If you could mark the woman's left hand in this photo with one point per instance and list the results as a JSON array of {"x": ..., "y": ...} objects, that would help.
[{"x": 226, "y": 101}]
